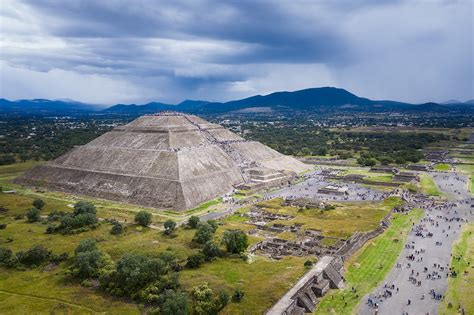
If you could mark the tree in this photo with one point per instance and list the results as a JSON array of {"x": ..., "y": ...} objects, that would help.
[
  {"x": 175, "y": 303},
  {"x": 235, "y": 241},
  {"x": 34, "y": 256},
  {"x": 204, "y": 233},
  {"x": 82, "y": 207},
  {"x": 194, "y": 261},
  {"x": 205, "y": 302},
  {"x": 211, "y": 250},
  {"x": 38, "y": 204},
  {"x": 143, "y": 218},
  {"x": 86, "y": 245},
  {"x": 170, "y": 226},
  {"x": 193, "y": 221},
  {"x": 213, "y": 224},
  {"x": 33, "y": 215},
  {"x": 203, "y": 297},
  {"x": 5, "y": 255},
  {"x": 117, "y": 228},
  {"x": 89, "y": 260}
]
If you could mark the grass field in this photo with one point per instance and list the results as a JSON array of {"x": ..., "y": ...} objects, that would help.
[
  {"x": 442, "y": 167},
  {"x": 263, "y": 280},
  {"x": 341, "y": 222},
  {"x": 428, "y": 186},
  {"x": 369, "y": 266},
  {"x": 461, "y": 288}
]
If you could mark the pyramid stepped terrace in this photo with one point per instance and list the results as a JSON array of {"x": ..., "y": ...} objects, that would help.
[{"x": 169, "y": 161}]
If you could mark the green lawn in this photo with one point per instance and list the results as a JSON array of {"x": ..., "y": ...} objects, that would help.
[
  {"x": 461, "y": 289},
  {"x": 369, "y": 266},
  {"x": 428, "y": 186},
  {"x": 341, "y": 222},
  {"x": 442, "y": 167}
]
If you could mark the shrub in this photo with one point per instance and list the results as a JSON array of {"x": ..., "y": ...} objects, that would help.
[
  {"x": 211, "y": 250},
  {"x": 204, "y": 233},
  {"x": 3, "y": 226},
  {"x": 5, "y": 256},
  {"x": 33, "y": 215},
  {"x": 117, "y": 228},
  {"x": 193, "y": 221},
  {"x": 89, "y": 260},
  {"x": 56, "y": 215},
  {"x": 235, "y": 241},
  {"x": 213, "y": 224},
  {"x": 308, "y": 263},
  {"x": 194, "y": 261},
  {"x": 238, "y": 295},
  {"x": 38, "y": 204},
  {"x": 35, "y": 256},
  {"x": 143, "y": 218},
  {"x": 175, "y": 303},
  {"x": 82, "y": 207},
  {"x": 205, "y": 302},
  {"x": 170, "y": 226}
]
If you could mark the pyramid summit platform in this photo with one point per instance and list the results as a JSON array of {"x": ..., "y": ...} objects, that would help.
[{"x": 168, "y": 160}]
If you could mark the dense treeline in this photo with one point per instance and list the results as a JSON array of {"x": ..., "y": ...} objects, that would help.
[
  {"x": 23, "y": 139},
  {"x": 383, "y": 147}
]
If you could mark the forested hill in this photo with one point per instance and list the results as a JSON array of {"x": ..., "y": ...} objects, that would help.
[{"x": 323, "y": 100}]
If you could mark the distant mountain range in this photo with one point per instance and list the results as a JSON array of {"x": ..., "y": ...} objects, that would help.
[{"x": 318, "y": 100}]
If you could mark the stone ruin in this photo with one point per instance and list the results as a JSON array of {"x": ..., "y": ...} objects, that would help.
[
  {"x": 336, "y": 190},
  {"x": 169, "y": 160},
  {"x": 405, "y": 177},
  {"x": 307, "y": 242},
  {"x": 306, "y": 293},
  {"x": 304, "y": 203}
]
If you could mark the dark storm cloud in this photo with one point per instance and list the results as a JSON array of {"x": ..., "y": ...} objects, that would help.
[{"x": 224, "y": 49}]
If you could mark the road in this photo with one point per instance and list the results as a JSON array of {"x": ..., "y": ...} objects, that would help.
[{"x": 420, "y": 276}]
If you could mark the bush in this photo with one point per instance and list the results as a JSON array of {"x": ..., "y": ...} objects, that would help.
[
  {"x": 193, "y": 221},
  {"x": 38, "y": 204},
  {"x": 194, "y": 261},
  {"x": 175, "y": 303},
  {"x": 308, "y": 263},
  {"x": 143, "y": 218},
  {"x": 89, "y": 261},
  {"x": 238, "y": 295},
  {"x": 205, "y": 302},
  {"x": 235, "y": 241},
  {"x": 213, "y": 224},
  {"x": 56, "y": 215},
  {"x": 135, "y": 276},
  {"x": 33, "y": 215},
  {"x": 117, "y": 228},
  {"x": 204, "y": 233},
  {"x": 83, "y": 207},
  {"x": 170, "y": 226},
  {"x": 83, "y": 217},
  {"x": 211, "y": 250},
  {"x": 35, "y": 256},
  {"x": 5, "y": 256},
  {"x": 3, "y": 226}
]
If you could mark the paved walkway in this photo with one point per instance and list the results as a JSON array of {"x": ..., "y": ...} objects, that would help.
[{"x": 420, "y": 277}]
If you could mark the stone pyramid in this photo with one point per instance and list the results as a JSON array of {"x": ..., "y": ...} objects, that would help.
[{"x": 169, "y": 160}]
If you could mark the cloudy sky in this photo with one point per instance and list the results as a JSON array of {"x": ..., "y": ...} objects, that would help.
[{"x": 123, "y": 51}]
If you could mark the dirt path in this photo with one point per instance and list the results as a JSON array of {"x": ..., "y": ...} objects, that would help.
[{"x": 52, "y": 300}]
